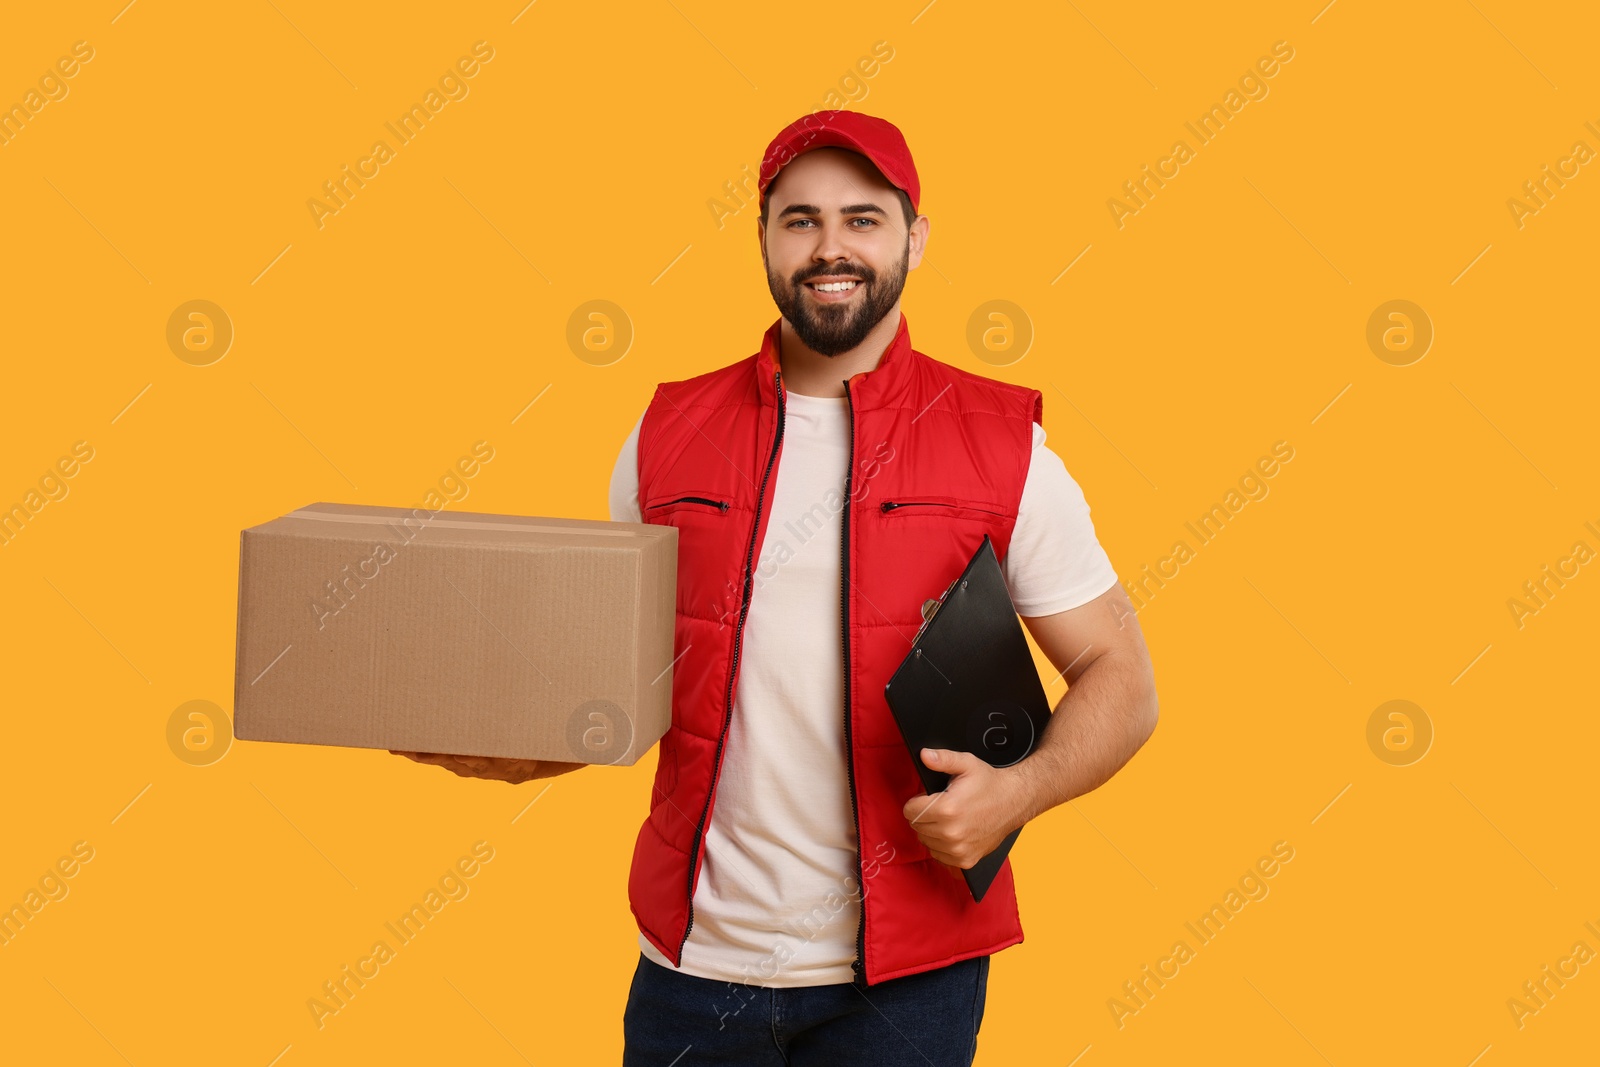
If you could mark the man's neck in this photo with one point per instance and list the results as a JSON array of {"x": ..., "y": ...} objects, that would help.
[{"x": 812, "y": 374}]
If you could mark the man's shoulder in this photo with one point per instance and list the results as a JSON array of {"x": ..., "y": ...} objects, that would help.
[{"x": 1002, "y": 395}]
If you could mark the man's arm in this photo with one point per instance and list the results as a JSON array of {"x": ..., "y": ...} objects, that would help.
[
  {"x": 1109, "y": 710},
  {"x": 1110, "y": 706},
  {"x": 624, "y": 490},
  {"x": 1108, "y": 713}
]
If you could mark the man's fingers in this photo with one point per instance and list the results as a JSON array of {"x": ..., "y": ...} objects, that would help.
[
  {"x": 492, "y": 768},
  {"x": 449, "y": 763},
  {"x": 924, "y": 808}
]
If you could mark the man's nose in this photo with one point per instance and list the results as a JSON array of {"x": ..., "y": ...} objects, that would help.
[{"x": 833, "y": 244}]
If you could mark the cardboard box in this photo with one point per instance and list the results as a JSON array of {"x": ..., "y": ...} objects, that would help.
[{"x": 485, "y": 635}]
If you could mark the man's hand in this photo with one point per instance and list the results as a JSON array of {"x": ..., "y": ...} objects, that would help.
[
  {"x": 978, "y": 807},
  {"x": 495, "y": 768}
]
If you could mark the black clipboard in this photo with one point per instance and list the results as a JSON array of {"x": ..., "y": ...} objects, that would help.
[{"x": 969, "y": 683}]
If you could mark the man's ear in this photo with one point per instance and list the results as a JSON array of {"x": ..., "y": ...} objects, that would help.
[{"x": 917, "y": 239}]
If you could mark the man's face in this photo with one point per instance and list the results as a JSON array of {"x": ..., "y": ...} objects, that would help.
[{"x": 833, "y": 218}]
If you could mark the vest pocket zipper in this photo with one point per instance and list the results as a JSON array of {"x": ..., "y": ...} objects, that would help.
[
  {"x": 889, "y": 506},
  {"x": 720, "y": 505}
]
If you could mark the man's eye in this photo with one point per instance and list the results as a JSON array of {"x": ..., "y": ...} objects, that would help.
[{"x": 869, "y": 222}]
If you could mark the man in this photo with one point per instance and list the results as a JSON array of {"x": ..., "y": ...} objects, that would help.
[{"x": 797, "y": 893}]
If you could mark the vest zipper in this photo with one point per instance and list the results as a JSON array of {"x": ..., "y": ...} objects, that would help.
[
  {"x": 859, "y": 965},
  {"x": 733, "y": 666}
]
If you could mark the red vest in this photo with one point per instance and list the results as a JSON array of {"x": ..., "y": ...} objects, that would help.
[{"x": 938, "y": 456}]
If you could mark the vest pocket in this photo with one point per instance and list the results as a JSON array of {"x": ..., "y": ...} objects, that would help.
[
  {"x": 688, "y": 503},
  {"x": 934, "y": 504}
]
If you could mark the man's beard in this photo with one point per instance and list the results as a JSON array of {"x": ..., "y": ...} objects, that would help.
[{"x": 829, "y": 329}]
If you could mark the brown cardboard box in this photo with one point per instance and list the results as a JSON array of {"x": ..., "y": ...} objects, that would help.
[{"x": 485, "y": 635}]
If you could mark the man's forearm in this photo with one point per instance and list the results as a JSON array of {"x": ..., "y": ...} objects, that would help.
[{"x": 1097, "y": 727}]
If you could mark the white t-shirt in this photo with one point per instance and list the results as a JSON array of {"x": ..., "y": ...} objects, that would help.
[{"x": 778, "y": 899}]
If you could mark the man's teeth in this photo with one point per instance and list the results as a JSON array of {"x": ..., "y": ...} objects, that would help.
[{"x": 833, "y": 287}]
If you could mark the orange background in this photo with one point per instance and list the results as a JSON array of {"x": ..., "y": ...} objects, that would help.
[{"x": 1230, "y": 312}]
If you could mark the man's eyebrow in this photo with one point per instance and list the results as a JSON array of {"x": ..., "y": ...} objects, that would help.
[{"x": 850, "y": 209}]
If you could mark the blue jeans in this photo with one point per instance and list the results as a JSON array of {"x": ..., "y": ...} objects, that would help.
[{"x": 929, "y": 1019}]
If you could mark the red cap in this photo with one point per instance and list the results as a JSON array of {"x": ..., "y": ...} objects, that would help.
[{"x": 877, "y": 139}]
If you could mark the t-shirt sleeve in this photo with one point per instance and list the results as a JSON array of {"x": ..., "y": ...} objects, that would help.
[
  {"x": 1054, "y": 561},
  {"x": 624, "y": 494}
]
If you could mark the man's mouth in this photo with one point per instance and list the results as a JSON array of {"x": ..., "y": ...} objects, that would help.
[{"x": 833, "y": 288}]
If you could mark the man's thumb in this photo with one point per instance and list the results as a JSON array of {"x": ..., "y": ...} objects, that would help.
[{"x": 943, "y": 759}]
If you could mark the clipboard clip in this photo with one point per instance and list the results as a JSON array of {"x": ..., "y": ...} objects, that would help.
[{"x": 930, "y": 608}]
